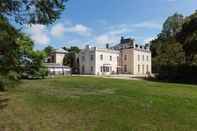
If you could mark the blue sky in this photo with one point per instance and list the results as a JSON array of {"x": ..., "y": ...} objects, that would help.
[{"x": 97, "y": 22}]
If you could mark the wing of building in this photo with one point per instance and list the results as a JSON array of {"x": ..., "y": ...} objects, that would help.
[
  {"x": 127, "y": 57},
  {"x": 54, "y": 63}
]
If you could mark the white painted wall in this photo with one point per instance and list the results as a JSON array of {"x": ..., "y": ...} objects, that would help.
[
  {"x": 106, "y": 61},
  {"x": 93, "y": 66},
  {"x": 59, "y": 57},
  {"x": 142, "y": 63}
]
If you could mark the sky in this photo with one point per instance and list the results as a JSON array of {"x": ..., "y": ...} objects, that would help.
[{"x": 97, "y": 22}]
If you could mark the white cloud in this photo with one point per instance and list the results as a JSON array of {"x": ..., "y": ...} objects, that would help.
[
  {"x": 148, "y": 24},
  {"x": 149, "y": 39},
  {"x": 38, "y": 34},
  {"x": 57, "y": 30},
  {"x": 79, "y": 29}
]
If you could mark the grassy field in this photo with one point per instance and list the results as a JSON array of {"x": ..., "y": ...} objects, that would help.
[{"x": 96, "y": 104}]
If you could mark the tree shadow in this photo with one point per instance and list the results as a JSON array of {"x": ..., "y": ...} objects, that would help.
[
  {"x": 174, "y": 81},
  {"x": 3, "y": 100}
]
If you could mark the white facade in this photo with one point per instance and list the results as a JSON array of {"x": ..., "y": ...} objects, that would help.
[
  {"x": 124, "y": 58},
  {"x": 98, "y": 61},
  {"x": 135, "y": 61},
  {"x": 54, "y": 63}
]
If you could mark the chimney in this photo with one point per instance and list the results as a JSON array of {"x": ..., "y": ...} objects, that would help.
[
  {"x": 107, "y": 46},
  {"x": 88, "y": 46},
  {"x": 122, "y": 39}
]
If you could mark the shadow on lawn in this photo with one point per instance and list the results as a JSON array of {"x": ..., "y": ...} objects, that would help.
[
  {"x": 3, "y": 100},
  {"x": 174, "y": 81}
]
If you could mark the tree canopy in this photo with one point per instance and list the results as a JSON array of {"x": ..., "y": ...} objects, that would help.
[
  {"x": 175, "y": 49},
  {"x": 32, "y": 11}
]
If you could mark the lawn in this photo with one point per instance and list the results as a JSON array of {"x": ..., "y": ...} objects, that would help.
[{"x": 98, "y": 104}]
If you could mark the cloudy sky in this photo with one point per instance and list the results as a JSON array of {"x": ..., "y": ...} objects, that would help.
[{"x": 97, "y": 22}]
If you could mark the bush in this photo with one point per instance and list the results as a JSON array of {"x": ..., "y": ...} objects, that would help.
[{"x": 180, "y": 73}]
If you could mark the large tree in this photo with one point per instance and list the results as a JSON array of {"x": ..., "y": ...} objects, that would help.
[
  {"x": 188, "y": 37},
  {"x": 49, "y": 49},
  {"x": 70, "y": 58},
  {"x": 12, "y": 43},
  {"x": 172, "y": 26},
  {"x": 32, "y": 11}
]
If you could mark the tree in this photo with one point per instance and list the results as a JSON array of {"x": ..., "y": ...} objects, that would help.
[
  {"x": 171, "y": 53},
  {"x": 48, "y": 49},
  {"x": 32, "y": 11},
  {"x": 70, "y": 58},
  {"x": 9, "y": 47},
  {"x": 188, "y": 37},
  {"x": 172, "y": 26},
  {"x": 13, "y": 44}
]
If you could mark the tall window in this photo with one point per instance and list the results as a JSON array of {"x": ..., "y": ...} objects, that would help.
[
  {"x": 92, "y": 68},
  {"x": 83, "y": 58},
  {"x": 143, "y": 57},
  {"x": 147, "y": 58},
  {"x": 138, "y": 68},
  {"x": 101, "y": 57},
  {"x": 125, "y": 68},
  {"x": 105, "y": 69},
  {"x": 143, "y": 69},
  {"x": 138, "y": 57},
  {"x": 125, "y": 57},
  {"x": 91, "y": 57},
  {"x": 110, "y": 58}
]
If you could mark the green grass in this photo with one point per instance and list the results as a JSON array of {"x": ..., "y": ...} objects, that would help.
[{"x": 96, "y": 104}]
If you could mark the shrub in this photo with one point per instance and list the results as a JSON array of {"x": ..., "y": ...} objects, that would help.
[{"x": 180, "y": 73}]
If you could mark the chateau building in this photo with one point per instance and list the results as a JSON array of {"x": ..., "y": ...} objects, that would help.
[
  {"x": 125, "y": 58},
  {"x": 97, "y": 61}
]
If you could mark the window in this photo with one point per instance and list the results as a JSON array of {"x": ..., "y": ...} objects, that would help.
[
  {"x": 110, "y": 58},
  {"x": 105, "y": 69},
  {"x": 101, "y": 57},
  {"x": 91, "y": 57},
  {"x": 143, "y": 69},
  {"x": 147, "y": 70},
  {"x": 147, "y": 58},
  {"x": 83, "y": 58},
  {"x": 92, "y": 68},
  {"x": 125, "y": 57},
  {"x": 125, "y": 68},
  {"x": 143, "y": 57},
  {"x": 138, "y": 57},
  {"x": 138, "y": 68}
]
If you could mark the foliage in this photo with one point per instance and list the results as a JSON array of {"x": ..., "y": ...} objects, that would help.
[
  {"x": 70, "y": 58},
  {"x": 176, "y": 48},
  {"x": 33, "y": 65},
  {"x": 9, "y": 48},
  {"x": 188, "y": 37},
  {"x": 32, "y": 11},
  {"x": 172, "y": 26},
  {"x": 15, "y": 47},
  {"x": 48, "y": 49}
]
